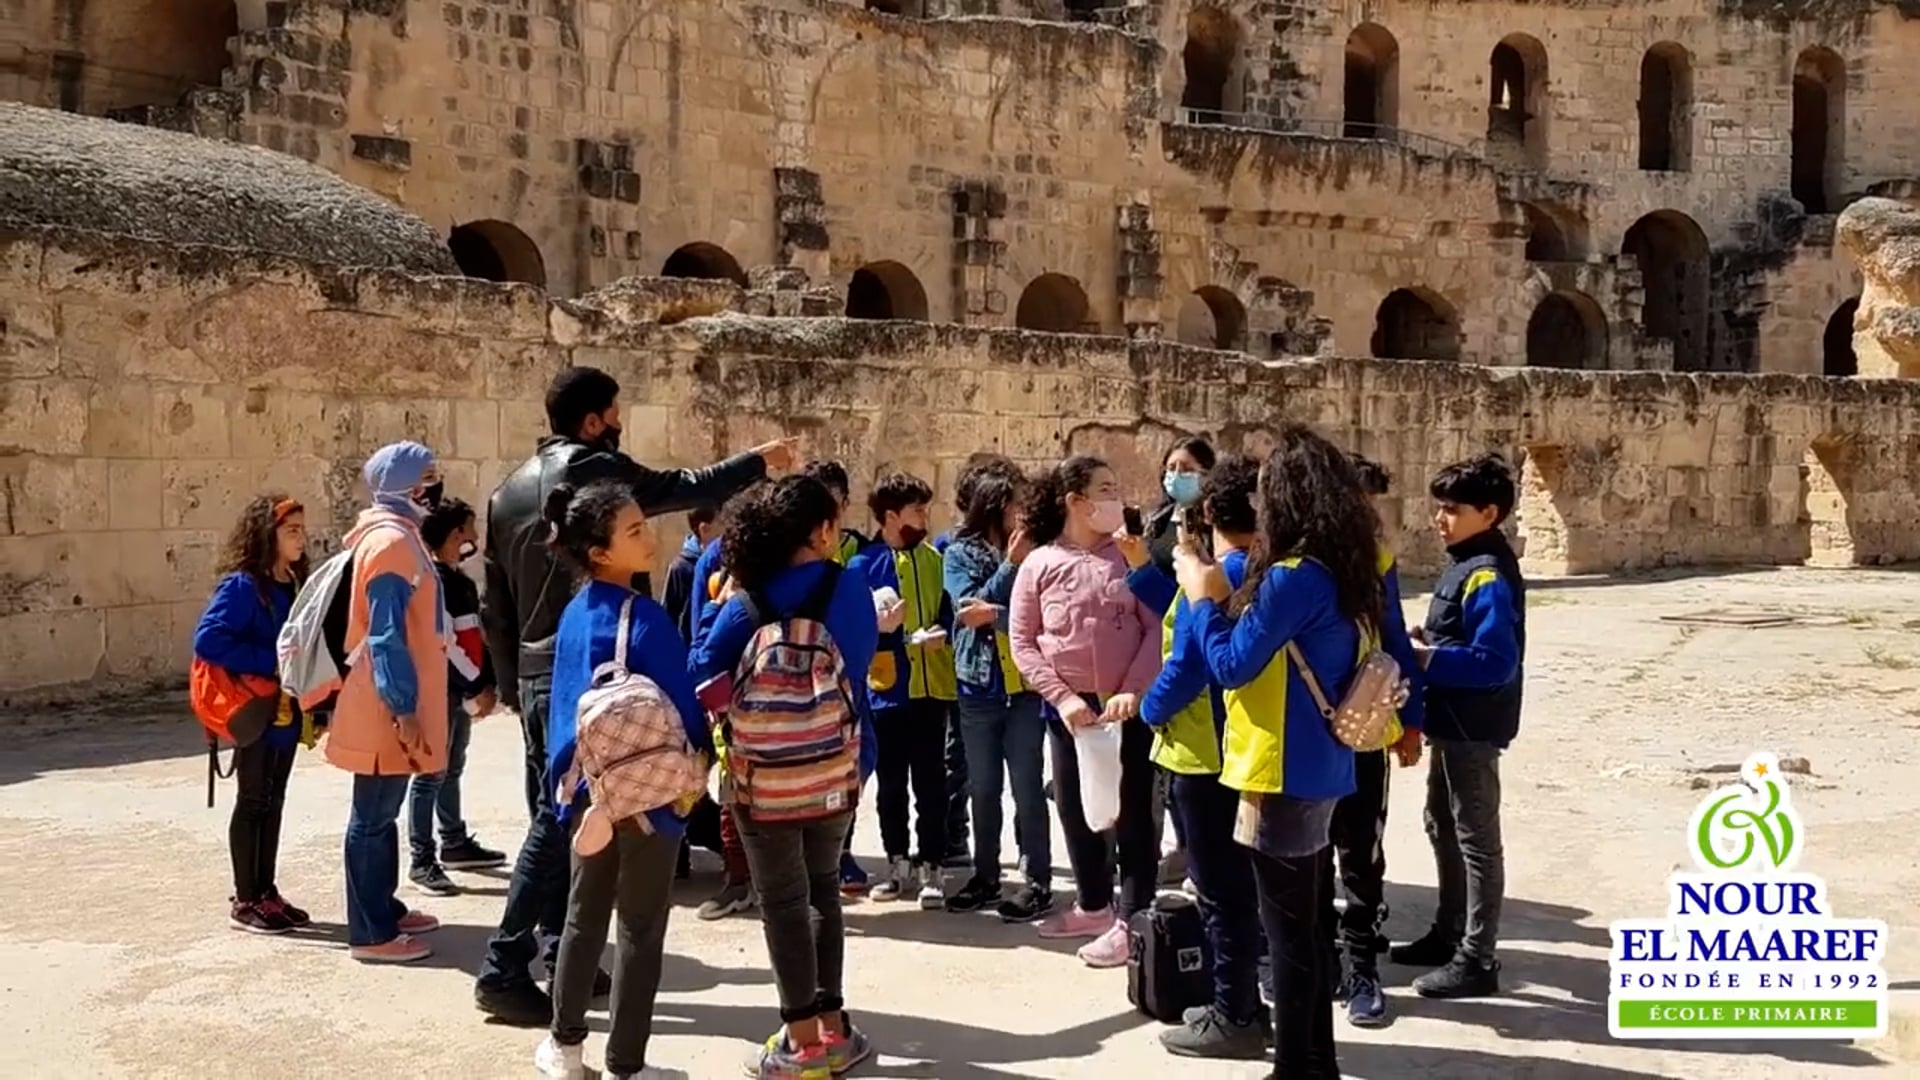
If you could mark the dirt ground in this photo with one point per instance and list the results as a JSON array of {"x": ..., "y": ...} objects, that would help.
[{"x": 115, "y": 959}]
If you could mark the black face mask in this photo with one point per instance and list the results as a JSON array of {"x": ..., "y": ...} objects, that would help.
[
  {"x": 911, "y": 536},
  {"x": 609, "y": 440},
  {"x": 430, "y": 495}
]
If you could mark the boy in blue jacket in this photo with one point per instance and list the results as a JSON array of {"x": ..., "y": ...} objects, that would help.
[{"x": 1473, "y": 649}]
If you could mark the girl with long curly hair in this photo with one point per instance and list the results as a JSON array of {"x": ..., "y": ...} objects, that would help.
[
  {"x": 1311, "y": 600},
  {"x": 264, "y": 562}
]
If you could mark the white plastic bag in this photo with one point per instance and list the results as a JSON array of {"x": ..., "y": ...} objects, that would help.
[{"x": 1098, "y": 750}]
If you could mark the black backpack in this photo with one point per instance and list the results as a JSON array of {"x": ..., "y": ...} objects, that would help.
[{"x": 1169, "y": 969}]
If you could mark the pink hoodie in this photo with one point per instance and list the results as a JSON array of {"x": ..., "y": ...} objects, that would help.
[{"x": 1077, "y": 627}]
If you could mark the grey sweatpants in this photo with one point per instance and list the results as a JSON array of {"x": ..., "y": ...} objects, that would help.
[
  {"x": 633, "y": 876},
  {"x": 796, "y": 869}
]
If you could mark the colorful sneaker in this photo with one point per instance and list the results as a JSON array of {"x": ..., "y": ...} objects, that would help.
[
  {"x": 733, "y": 898},
  {"x": 418, "y": 922},
  {"x": 298, "y": 918},
  {"x": 401, "y": 950},
  {"x": 432, "y": 880},
  {"x": 1030, "y": 903},
  {"x": 258, "y": 919},
  {"x": 468, "y": 854},
  {"x": 1076, "y": 922},
  {"x": 933, "y": 894},
  {"x": 898, "y": 880},
  {"x": 844, "y": 1052},
  {"x": 976, "y": 895},
  {"x": 853, "y": 876},
  {"x": 777, "y": 1060},
  {"x": 1109, "y": 950},
  {"x": 559, "y": 1062}
]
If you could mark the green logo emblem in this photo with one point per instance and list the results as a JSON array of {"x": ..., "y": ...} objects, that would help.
[{"x": 1749, "y": 826}]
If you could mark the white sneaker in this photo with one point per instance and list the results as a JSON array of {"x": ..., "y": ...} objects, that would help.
[
  {"x": 559, "y": 1062},
  {"x": 933, "y": 890},
  {"x": 898, "y": 880}
]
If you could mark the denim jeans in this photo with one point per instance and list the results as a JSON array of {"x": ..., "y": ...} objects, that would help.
[
  {"x": 1463, "y": 822},
  {"x": 1007, "y": 737},
  {"x": 630, "y": 881},
  {"x": 373, "y": 860},
  {"x": 438, "y": 794},
  {"x": 1222, "y": 872},
  {"x": 796, "y": 868},
  {"x": 1291, "y": 907},
  {"x": 537, "y": 892}
]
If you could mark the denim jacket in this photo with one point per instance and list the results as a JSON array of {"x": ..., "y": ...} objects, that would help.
[{"x": 975, "y": 569}]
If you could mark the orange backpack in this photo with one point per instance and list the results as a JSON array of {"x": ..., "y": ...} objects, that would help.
[{"x": 235, "y": 709}]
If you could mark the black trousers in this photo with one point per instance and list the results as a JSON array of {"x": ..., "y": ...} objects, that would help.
[
  {"x": 913, "y": 749},
  {"x": 1291, "y": 906},
  {"x": 632, "y": 876},
  {"x": 959, "y": 793},
  {"x": 253, "y": 832},
  {"x": 796, "y": 869},
  {"x": 1090, "y": 853},
  {"x": 1359, "y": 832}
]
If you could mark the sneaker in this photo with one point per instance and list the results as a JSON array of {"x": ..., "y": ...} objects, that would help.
[
  {"x": 1463, "y": 977},
  {"x": 1076, "y": 922},
  {"x": 296, "y": 917},
  {"x": 1187, "y": 886},
  {"x": 258, "y": 919},
  {"x": 848, "y": 1050},
  {"x": 432, "y": 880},
  {"x": 933, "y": 894},
  {"x": 1109, "y": 950},
  {"x": 559, "y": 1062},
  {"x": 899, "y": 877},
  {"x": 976, "y": 895},
  {"x": 401, "y": 950},
  {"x": 1030, "y": 903},
  {"x": 777, "y": 1060},
  {"x": 1431, "y": 950},
  {"x": 1366, "y": 1003},
  {"x": 516, "y": 1004},
  {"x": 1211, "y": 1035},
  {"x": 733, "y": 898},
  {"x": 469, "y": 855},
  {"x": 418, "y": 922},
  {"x": 853, "y": 876}
]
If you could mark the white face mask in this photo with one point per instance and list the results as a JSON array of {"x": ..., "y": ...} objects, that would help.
[{"x": 1108, "y": 515}]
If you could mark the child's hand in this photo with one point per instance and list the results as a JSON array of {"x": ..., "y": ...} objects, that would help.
[
  {"x": 1422, "y": 652},
  {"x": 1134, "y": 548},
  {"x": 1198, "y": 578},
  {"x": 892, "y": 616},
  {"x": 485, "y": 703},
  {"x": 1407, "y": 750},
  {"x": 1078, "y": 714},
  {"x": 1417, "y": 634},
  {"x": 976, "y": 613},
  {"x": 1121, "y": 707},
  {"x": 1019, "y": 546}
]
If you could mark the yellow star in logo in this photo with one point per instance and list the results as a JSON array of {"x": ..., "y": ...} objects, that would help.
[{"x": 1760, "y": 768}]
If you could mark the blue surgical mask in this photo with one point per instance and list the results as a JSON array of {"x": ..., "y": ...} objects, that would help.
[{"x": 1181, "y": 487}]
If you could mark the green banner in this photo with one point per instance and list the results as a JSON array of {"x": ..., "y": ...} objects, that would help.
[{"x": 1814, "y": 1014}]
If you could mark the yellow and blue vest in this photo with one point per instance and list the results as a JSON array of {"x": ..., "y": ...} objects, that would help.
[{"x": 917, "y": 574}]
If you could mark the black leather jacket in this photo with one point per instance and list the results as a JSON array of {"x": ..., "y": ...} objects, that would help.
[{"x": 527, "y": 587}]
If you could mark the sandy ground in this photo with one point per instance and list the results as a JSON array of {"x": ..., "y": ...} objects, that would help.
[{"x": 115, "y": 959}]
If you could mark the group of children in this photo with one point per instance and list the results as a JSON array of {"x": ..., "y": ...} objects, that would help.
[{"x": 1215, "y": 634}]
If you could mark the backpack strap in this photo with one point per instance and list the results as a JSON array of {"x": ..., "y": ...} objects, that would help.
[
  {"x": 623, "y": 634},
  {"x": 1313, "y": 684}
]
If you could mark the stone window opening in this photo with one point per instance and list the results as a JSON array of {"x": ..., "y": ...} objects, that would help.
[
  {"x": 1672, "y": 254},
  {"x": 1836, "y": 345},
  {"x": 886, "y": 290},
  {"x": 1819, "y": 126},
  {"x": 912, "y": 9},
  {"x": 1567, "y": 330},
  {"x": 1416, "y": 324},
  {"x": 1212, "y": 317},
  {"x": 1517, "y": 97},
  {"x": 1372, "y": 96},
  {"x": 497, "y": 251},
  {"x": 1826, "y": 502},
  {"x": 1666, "y": 109},
  {"x": 1211, "y": 59},
  {"x": 705, "y": 261},
  {"x": 143, "y": 53},
  {"x": 1054, "y": 304}
]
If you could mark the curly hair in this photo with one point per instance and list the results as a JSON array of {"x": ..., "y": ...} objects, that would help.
[
  {"x": 582, "y": 519},
  {"x": 767, "y": 529},
  {"x": 1047, "y": 498},
  {"x": 253, "y": 547},
  {"x": 1311, "y": 505}
]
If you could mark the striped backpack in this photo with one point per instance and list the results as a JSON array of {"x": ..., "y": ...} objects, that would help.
[{"x": 793, "y": 740}]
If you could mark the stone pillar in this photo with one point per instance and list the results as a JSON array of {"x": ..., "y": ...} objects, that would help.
[
  {"x": 800, "y": 213},
  {"x": 1281, "y": 322},
  {"x": 1139, "y": 279},
  {"x": 979, "y": 252},
  {"x": 1883, "y": 237}
]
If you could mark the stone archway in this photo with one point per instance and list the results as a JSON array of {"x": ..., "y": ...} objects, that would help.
[
  {"x": 497, "y": 251},
  {"x": 1666, "y": 108},
  {"x": 1416, "y": 324},
  {"x": 886, "y": 290},
  {"x": 1517, "y": 107},
  {"x": 1567, "y": 330},
  {"x": 1054, "y": 303},
  {"x": 1826, "y": 471},
  {"x": 1212, "y": 317},
  {"x": 1372, "y": 96},
  {"x": 1819, "y": 126},
  {"x": 704, "y": 260},
  {"x": 1211, "y": 58},
  {"x": 1836, "y": 345},
  {"x": 1671, "y": 251}
]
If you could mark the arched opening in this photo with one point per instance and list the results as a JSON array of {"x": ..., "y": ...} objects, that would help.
[
  {"x": 1540, "y": 523},
  {"x": 1416, "y": 324},
  {"x": 142, "y": 52},
  {"x": 1836, "y": 345},
  {"x": 1567, "y": 330},
  {"x": 1054, "y": 303},
  {"x": 1211, "y": 57},
  {"x": 1212, "y": 317},
  {"x": 1373, "y": 83},
  {"x": 1666, "y": 108},
  {"x": 886, "y": 290},
  {"x": 1819, "y": 122},
  {"x": 1826, "y": 472},
  {"x": 1671, "y": 252},
  {"x": 1546, "y": 241},
  {"x": 703, "y": 260},
  {"x": 1517, "y": 96},
  {"x": 497, "y": 251}
]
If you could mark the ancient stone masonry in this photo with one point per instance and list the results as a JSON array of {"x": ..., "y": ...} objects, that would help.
[{"x": 1884, "y": 236}]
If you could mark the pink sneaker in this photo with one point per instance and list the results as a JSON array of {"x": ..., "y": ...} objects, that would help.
[
  {"x": 1109, "y": 950},
  {"x": 401, "y": 950},
  {"x": 1076, "y": 923},
  {"x": 418, "y": 922}
]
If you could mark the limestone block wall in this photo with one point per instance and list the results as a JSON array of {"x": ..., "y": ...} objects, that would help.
[{"x": 145, "y": 393}]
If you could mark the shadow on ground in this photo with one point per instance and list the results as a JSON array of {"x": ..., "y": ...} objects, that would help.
[{"x": 51, "y": 740}]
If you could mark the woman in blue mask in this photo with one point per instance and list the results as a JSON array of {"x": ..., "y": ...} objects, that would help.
[{"x": 1182, "y": 471}]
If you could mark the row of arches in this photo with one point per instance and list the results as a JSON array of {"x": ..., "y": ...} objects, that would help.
[{"x": 1519, "y": 111}]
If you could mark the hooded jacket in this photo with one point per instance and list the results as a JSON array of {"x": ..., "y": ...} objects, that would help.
[
  {"x": 527, "y": 588},
  {"x": 395, "y": 612}
]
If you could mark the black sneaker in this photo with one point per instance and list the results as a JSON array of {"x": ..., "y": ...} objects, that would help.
[
  {"x": 1463, "y": 977},
  {"x": 469, "y": 855},
  {"x": 1028, "y": 904},
  {"x": 1212, "y": 1035},
  {"x": 517, "y": 1004},
  {"x": 258, "y": 919},
  {"x": 1431, "y": 950},
  {"x": 975, "y": 895},
  {"x": 431, "y": 879}
]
